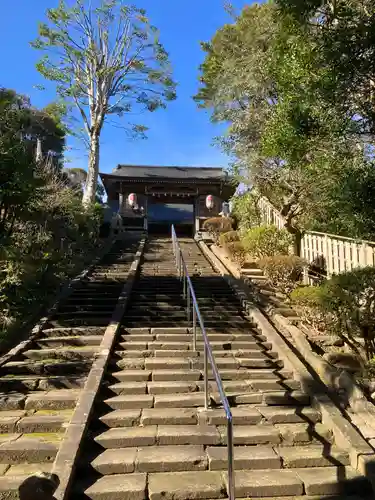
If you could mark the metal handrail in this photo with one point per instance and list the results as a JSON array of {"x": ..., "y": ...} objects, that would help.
[{"x": 189, "y": 295}]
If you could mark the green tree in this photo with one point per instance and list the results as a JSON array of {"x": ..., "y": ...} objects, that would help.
[
  {"x": 344, "y": 32},
  {"x": 20, "y": 127},
  {"x": 107, "y": 61},
  {"x": 77, "y": 178},
  {"x": 291, "y": 136}
]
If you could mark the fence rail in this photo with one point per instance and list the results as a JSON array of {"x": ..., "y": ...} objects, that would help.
[
  {"x": 331, "y": 253},
  {"x": 194, "y": 315}
]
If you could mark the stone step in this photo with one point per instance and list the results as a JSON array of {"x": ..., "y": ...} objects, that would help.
[
  {"x": 235, "y": 363},
  {"x": 170, "y": 387},
  {"x": 229, "y": 355},
  {"x": 312, "y": 456},
  {"x": 252, "y": 271},
  {"x": 88, "y": 319},
  {"x": 188, "y": 337},
  {"x": 69, "y": 353},
  {"x": 274, "y": 385},
  {"x": 179, "y": 400},
  {"x": 148, "y": 434},
  {"x": 117, "y": 487},
  {"x": 178, "y": 354},
  {"x": 24, "y": 383},
  {"x": 246, "y": 415},
  {"x": 289, "y": 415},
  {"x": 243, "y": 374},
  {"x": 81, "y": 298},
  {"x": 63, "y": 399},
  {"x": 87, "y": 340},
  {"x": 82, "y": 309},
  {"x": 47, "y": 366},
  {"x": 333, "y": 481},
  {"x": 29, "y": 448},
  {"x": 40, "y": 422},
  {"x": 132, "y": 322},
  {"x": 252, "y": 347},
  {"x": 130, "y": 402},
  {"x": 188, "y": 485},
  {"x": 72, "y": 332},
  {"x": 245, "y": 457},
  {"x": 151, "y": 459},
  {"x": 124, "y": 437},
  {"x": 278, "y": 398}
]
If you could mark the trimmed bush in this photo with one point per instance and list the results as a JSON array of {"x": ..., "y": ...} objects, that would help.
[
  {"x": 237, "y": 251},
  {"x": 283, "y": 271},
  {"x": 217, "y": 225},
  {"x": 267, "y": 240},
  {"x": 307, "y": 302},
  {"x": 229, "y": 237},
  {"x": 345, "y": 304},
  {"x": 349, "y": 302}
]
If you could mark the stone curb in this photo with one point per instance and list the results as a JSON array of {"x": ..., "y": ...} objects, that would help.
[
  {"x": 359, "y": 410},
  {"x": 67, "y": 289},
  {"x": 66, "y": 459},
  {"x": 232, "y": 268},
  {"x": 362, "y": 456}
]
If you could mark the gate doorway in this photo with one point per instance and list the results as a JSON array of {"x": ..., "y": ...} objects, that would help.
[{"x": 161, "y": 216}]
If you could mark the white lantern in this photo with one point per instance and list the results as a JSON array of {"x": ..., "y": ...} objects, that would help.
[
  {"x": 132, "y": 200},
  {"x": 210, "y": 202}
]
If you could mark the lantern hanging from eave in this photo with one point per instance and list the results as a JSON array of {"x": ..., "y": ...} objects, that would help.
[
  {"x": 132, "y": 200},
  {"x": 210, "y": 202}
]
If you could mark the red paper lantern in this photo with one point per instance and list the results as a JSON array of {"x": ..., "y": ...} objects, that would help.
[
  {"x": 132, "y": 200},
  {"x": 210, "y": 202}
]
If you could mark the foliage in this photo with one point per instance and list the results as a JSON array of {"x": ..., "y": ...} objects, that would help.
[
  {"x": 266, "y": 241},
  {"x": 344, "y": 32},
  {"x": 77, "y": 178},
  {"x": 283, "y": 271},
  {"x": 231, "y": 242},
  {"x": 19, "y": 118},
  {"x": 306, "y": 301},
  {"x": 345, "y": 305},
  {"x": 20, "y": 127},
  {"x": 237, "y": 251},
  {"x": 293, "y": 82},
  {"x": 245, "y": 211},
  {"x": 107, "y": 61},
  {"x": 44, "y": 232},
  {"x": 217, "y": 225},
  {"x": 349, "y": 301},
  {"x": 229, "y": 237}
]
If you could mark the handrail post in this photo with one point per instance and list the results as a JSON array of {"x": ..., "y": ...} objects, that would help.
[
  {"x": 206, "y": 396},
  {"x": 179, "y": 264},
  {"x": 188, "y": 304},
  {"x": 194, "y": 329},
  {"x": 184, "y": 282},
  {"x": 231, "y": 480}
]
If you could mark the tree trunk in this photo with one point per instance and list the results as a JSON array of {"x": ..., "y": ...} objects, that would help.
[{"x": 93, "y": 170}]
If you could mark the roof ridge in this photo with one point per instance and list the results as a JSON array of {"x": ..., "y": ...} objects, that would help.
[{"x": 121, "y": 165}]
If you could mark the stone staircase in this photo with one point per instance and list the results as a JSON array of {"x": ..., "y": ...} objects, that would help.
[
  {"x": 150, "y": 436},
  {"x": 40, "y": 386}
]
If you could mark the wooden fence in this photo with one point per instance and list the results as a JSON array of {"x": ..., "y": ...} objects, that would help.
[{"x": 330, "y": 253}]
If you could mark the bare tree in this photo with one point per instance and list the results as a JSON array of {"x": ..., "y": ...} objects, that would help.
[{"x": 107, "y": 60}]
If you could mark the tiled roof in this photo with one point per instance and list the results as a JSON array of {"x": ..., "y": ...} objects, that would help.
[{"x": 178, "y": 173}]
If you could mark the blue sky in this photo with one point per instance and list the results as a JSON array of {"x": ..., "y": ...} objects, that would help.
[{"x": 181, "y": 135}]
